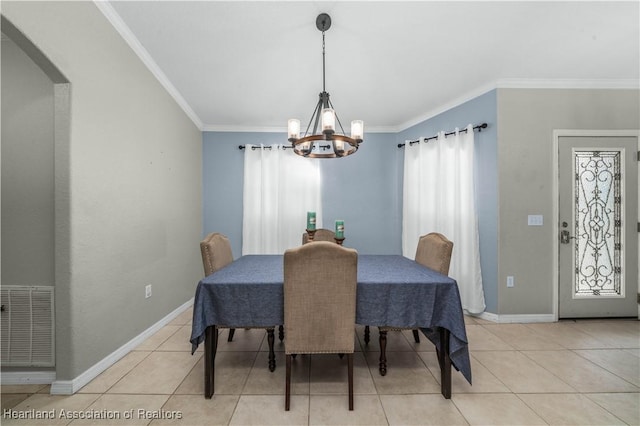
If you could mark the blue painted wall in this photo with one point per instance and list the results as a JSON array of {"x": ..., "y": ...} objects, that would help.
[
  {"x": 482, "y": 109},
  {"x": 222, "y": 174},
  {"x": 360, "y": 189},
  {"x": 365, "y": 189}
]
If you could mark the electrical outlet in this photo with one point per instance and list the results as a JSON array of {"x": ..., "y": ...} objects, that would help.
[
  {"x": 535, "y": 220},
  {"x": 510, "y": 281},
  {"x": 147, "y": 291}
]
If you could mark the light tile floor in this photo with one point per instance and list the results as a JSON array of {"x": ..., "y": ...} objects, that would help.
[{"x": 566, "y": 373}]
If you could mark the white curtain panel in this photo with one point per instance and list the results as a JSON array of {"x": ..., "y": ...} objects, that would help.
[
  {"x": 280, "y": 187},
  {"x": 438, "y": 196}
]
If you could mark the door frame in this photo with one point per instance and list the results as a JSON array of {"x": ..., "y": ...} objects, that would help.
[{"x": 557, "y": 134}]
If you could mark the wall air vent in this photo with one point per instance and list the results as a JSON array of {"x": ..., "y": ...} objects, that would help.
[{"x": 27, "y": 326}]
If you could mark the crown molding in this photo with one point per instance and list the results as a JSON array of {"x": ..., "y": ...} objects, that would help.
[
  {"x": 523, "y": 83},
  {"x": 446, "y": 107},
  {"x": 125, "y": 32},
  {"x": 240, "y": 129},
  {"x": 533, "y": 83},
  {"x": 258, "y": 129},
  {"x": 382, "y": 129},
  {"x": 508, "y": 83}
]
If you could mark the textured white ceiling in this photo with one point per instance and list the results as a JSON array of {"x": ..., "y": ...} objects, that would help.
[{"x": 240, "y": 65}]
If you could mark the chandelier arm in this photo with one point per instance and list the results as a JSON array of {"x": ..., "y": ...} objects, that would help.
[
  {"x": 336, "y": 115},
  {"x": 316, "y": 114}
]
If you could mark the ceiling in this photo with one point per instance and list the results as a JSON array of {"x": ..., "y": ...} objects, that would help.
[{"x": 249, "y": 66}]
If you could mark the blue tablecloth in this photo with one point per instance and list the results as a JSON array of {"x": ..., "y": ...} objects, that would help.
[{"x": 392, "y": 291}]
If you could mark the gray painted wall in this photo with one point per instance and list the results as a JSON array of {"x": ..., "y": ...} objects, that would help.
[
  {"x": 527, "y": 119},
  {"x": 27, "y": 170},
  {"x": 134, "y": 208},
  {"x": 360, "y": 189}
]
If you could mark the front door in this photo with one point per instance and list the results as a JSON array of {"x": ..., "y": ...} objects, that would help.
[{"x": 598, "y": 216}]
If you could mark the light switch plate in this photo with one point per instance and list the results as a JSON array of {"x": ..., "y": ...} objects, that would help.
[{"x": 534, "y": 220}]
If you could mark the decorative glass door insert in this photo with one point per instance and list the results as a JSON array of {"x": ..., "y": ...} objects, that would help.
[
  {"x": 598, "y": 218},
  {"x": 597, "y": 241}
]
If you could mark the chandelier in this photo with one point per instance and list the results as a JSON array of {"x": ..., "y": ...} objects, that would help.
[{"x": 326, "y": 143}]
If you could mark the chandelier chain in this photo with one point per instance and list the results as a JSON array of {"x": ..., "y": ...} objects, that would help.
[{"x": 323, "y": 65}]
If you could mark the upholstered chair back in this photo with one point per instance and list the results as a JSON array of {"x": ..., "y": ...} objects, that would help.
[
  {"x": 320, "y": 282},
  {"x": 320, "y": 235},
  {"x": 216, "y": 252},
  {"x": 434, "y": 251}
]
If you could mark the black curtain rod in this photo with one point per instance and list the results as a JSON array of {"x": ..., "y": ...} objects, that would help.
[
  {"x": 479, "y": 127},
  {"x": 283, "y": 147},
  {"x": 262, "y": 147}
]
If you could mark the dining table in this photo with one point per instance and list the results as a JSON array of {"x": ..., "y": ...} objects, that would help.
[{"x": 392, "y": 291}]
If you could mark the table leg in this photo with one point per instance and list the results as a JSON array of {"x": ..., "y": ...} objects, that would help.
[
  {"x": 445, "y": 363},
  {"x": 210, "y": 347},
  {"x": 272, "y": 355},
  {"x": 383, "y": 352}
]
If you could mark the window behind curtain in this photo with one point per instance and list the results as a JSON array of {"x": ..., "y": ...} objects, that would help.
[
  {"x": 280, "y": 187},
  {"x": 438, "y": 196}
]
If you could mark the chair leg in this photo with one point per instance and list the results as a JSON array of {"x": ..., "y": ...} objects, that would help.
[
  {"x": 287, "y": 387},
  {"x": 416, "y": 336},
  {"x": 281, "y": 333},
  {"x": 350, "y": 367},
  {"x": 231, "y": 331},
  {"x": 383, "y": 353},
  {"x": 366, "y": 334},
  {"x": 272, "y": 355}
]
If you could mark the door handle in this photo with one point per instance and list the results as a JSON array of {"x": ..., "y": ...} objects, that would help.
[{"x": 565, "y": 237}]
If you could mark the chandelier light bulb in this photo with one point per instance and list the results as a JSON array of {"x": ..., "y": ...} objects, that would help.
[
  {"x": 294, "y": 129},
  {"x": 357, "y": 130},
  {"x": 328, "y": 121}
]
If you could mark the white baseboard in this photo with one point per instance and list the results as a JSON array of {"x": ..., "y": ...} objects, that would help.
[
  {"x": 69, "y": 387},
  {"x": 510, "y": 319},
  {"x": 27, "y": 377}
]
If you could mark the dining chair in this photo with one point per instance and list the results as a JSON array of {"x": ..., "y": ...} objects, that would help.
[
  {"x": 216, "y": 254},
  {"x": 433, "y": 251},
  {"x": 320, "y": 283},
  {"x": 320, "y": 235}
]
